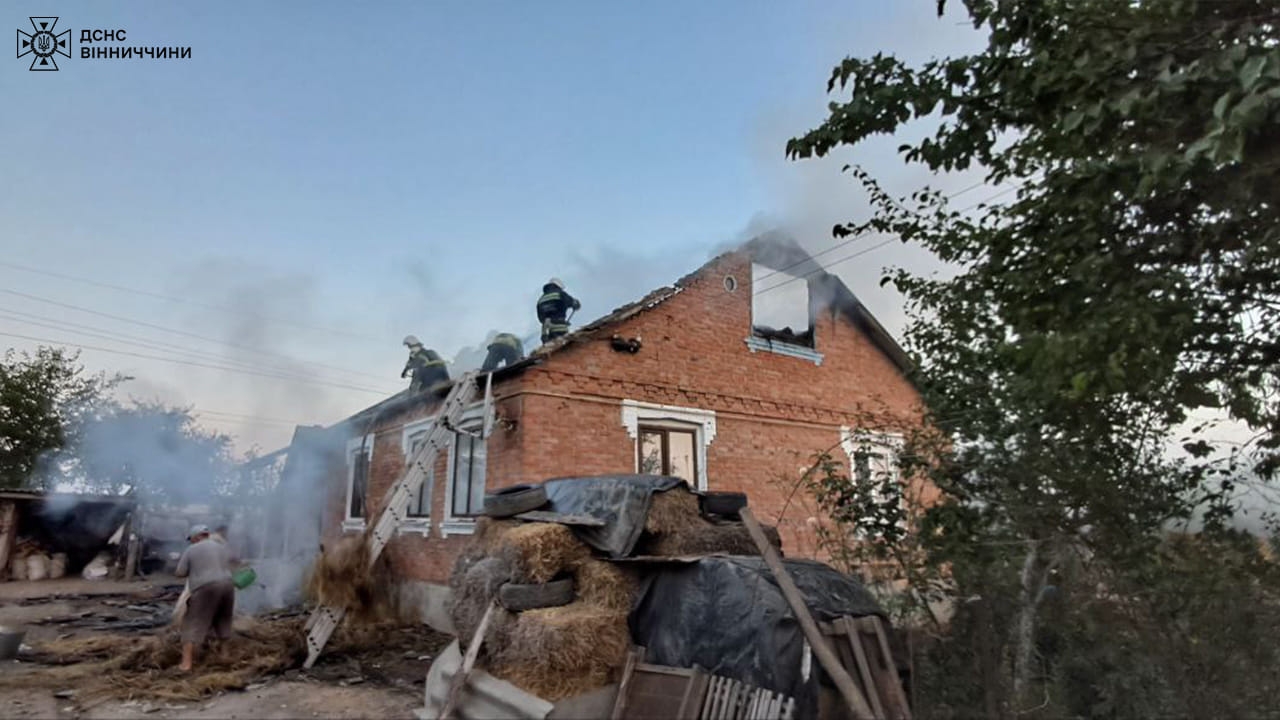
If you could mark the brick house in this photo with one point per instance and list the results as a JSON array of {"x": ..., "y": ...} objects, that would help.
[{"x": 714, "y": 393}]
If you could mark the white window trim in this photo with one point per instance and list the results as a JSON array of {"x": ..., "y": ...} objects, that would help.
[
  {"x": 472, "y": 419},
  {"x": 350, "y": 524},
  {"x": 635, "y": 413},
  {"x": 891, "y": 443},
  {"x": 420, "y": 525}
]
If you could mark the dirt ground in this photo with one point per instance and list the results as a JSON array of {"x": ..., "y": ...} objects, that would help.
[{"x": 382, "y": 681}]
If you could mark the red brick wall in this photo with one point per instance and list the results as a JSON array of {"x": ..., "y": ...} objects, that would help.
[{"x": 773, "y": 412}]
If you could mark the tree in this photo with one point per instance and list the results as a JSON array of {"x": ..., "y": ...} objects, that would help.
[
  {"x": 158, "y": 452},
  {"x": 44, "y": 399},
  {"x": 62, "y": 427},
  {"x": 1134, "y": 278}
]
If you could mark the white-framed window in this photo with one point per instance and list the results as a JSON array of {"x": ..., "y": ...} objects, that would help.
[
  {"x": 465, "y": 484},
  {"x": 418, "y": 516},
  {"x": 873, "y": 463},
  {"x": 782, "y": 314},
  {"x": 670, "y": 440},
  {"x": 359, "y": 458}
]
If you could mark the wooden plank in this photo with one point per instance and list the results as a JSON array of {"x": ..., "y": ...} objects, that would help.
[
  {"x": 735, "y": 696},
  {"x": 8, "y": 532},
  {"x": 830, "y": 629},
  {"x": 692, "y": 700},
  {"x": 561, "y": 518},
  {"x": 717, "y": 710},
  {"x": 468, "y": 663},
  {"x": 713, "y": 696},
  {"x": 755, "y": 705},
  {"x": 894, "y": 688},
  {"x": 854, "y": 641},
  {"x": 634, "y": 656},
  {"x": 664, "y": 670},
  {"x": 771, "y": 704},
  {"x": 726, "y": 699},
  {"x": 845, "y": 684}
]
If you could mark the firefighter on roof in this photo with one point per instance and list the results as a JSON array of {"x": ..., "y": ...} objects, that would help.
[
  {"x": 504, "y": 349},
  {"x": 426, "y": 365},
  {"x": 553, "y": 309}
]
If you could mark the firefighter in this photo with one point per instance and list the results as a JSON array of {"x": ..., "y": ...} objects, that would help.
[
  {"x": 553, "y": 309},
  {"x": 426, "y": 365},
  {"x": 504, "y": 349}
]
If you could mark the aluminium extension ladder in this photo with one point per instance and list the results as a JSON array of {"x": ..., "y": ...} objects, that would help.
[{"x": 325, "y": 619}]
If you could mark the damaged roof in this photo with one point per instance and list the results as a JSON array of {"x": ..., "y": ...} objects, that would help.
[{"x": 775, "y": 250}]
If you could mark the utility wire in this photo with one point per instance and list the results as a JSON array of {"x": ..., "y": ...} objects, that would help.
[
  {"x": 184, "y": 333},
  {"x": 823, "y": 267},
  {"x": 841, "y": 244},
  {"x": 144, "y": 343},
  {"x": 185, "y": 301},
  {"x": 310, "y": 381}
]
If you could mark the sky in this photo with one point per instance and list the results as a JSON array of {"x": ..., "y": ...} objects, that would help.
[{"x": 251, "y": 232}]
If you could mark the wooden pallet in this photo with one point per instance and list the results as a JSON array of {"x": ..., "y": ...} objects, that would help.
[
  {"x": 863, "y": 648},
  {"x": 668, "y": 693}
]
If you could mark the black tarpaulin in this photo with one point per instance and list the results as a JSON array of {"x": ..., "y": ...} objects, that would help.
[
  {"x": 728, "y": 616},
  {"x": 621, "y": 501}
]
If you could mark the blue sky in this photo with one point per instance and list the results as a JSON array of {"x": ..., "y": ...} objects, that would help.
[{"x": 321, "y": 178}]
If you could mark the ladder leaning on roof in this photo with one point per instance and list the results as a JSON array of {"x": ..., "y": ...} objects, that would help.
[{"x": 325, "y": 619}]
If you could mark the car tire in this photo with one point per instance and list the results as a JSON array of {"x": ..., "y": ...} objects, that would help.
[
  {"x": 516, "y": 598},
  {"x": 725, "y": 504},
  {"x": 514, "y": 500}
]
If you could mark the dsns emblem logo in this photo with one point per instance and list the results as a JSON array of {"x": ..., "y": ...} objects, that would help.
[{"x": 43, "y": 44}]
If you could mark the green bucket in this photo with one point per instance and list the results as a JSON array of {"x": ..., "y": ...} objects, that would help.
[{"x": 243, "y": 577}]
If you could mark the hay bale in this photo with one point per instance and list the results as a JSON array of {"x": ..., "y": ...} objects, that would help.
[
  {"x": 490, "y": 530},
  {"x": 729, "y": 539},
  {"x": 477, "y": 587},
  {"x": 555, "y": 687},
  {"x": 559, "y": 652},
  {"x": 606, "y": 585},
  {"x": 673, "y": 511},
  {"x": 538, "y": 551}
]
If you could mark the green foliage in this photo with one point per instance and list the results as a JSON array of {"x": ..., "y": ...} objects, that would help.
[
  {"x": 59, "y": 426},
  {"x": 1134, "y": 278},
  {"x": 44, "y": 400}
]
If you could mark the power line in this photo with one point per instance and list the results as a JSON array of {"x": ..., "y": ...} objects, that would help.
[
  {"x": 841, "y": 244},
  {"x": 202, "y": 411},
  {"x": 195, "y": 364},
  {"x": 123, "y": 339},
  {"x": 142, "y": 342},
  {"x": 185, "y": 301},
  {"x": 823, "y": 267},
  {"x": 183, "y": 333}
]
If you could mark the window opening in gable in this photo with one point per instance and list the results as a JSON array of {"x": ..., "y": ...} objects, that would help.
[
  {"x": 467, "y": 482},
  {"x": 781, "y": 309},
  {"x": 668, "y": 451}
]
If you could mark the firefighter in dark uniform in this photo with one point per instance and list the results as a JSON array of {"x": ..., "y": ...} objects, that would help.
[
  {"x": 427, "y": 366},
  {"x": 553, "y": 310},
  {"x": 505, "y": 349}
]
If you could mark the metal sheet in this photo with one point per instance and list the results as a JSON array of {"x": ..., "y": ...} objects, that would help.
[{"x": 485, "y": 697}]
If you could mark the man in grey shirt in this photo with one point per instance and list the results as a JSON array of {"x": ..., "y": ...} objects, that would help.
[{"x": 207, "y": 566}]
